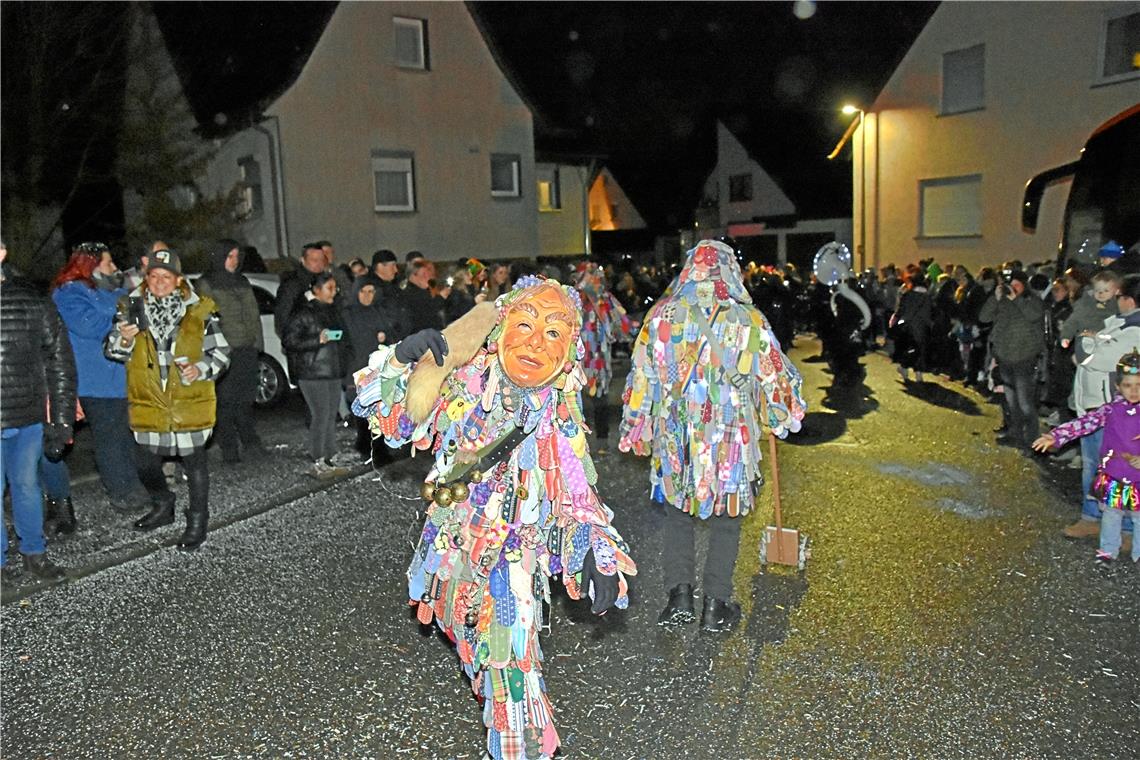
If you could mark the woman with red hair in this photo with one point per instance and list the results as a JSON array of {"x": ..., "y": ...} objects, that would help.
[{"x": 86, "y": 292}]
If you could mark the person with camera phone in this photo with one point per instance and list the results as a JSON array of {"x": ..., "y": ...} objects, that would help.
[
  {"x": 320, "y": 357},
  {"x": 171, "y": 340}
]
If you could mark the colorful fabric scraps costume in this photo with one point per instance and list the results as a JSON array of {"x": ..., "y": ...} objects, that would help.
[
  {"x": 604, "y": 322},
  {"x": 704, "y": 365},
  {"x": 507, "y": 434}
]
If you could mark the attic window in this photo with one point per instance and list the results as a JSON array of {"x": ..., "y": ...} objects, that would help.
[
  {"x": 964, "y": 80},
  {"x": 739, "y": 188},
  {"x": 1120, "y": 48},
  {"x": 505, "y": 175},
  {"x": 410, "y": 42}
]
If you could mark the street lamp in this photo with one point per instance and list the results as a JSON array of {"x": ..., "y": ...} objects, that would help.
[{"x": 849, "y": 110}]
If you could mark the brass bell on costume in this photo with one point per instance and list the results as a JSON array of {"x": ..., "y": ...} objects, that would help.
[
  {"x": 460, "y": 492},
  {"x": 476, "y": 476},
  {"x": 443, "y": 496},
  {"x": 427, "y": 491}
]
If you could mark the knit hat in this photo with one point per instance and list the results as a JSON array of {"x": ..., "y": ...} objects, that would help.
[
  {"x": 1110, "y": 250},
  {"x": 383, "y": 256},
  {"x": 165, "y": 259}
]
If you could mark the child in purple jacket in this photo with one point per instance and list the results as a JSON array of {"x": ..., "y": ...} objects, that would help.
[{"x": 1117, "y": 482}]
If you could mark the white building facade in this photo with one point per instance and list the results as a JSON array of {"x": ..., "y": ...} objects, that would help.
[
  {"x": 401, "y": 132},
  {"x": 988, "y": 95}
]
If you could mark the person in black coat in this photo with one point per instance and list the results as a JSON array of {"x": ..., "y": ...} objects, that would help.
[
  {"x": 424, "y": 309},
  {"x": 320, "y": 356},
  {"x": 291, "y": 293},
  {"x": 37, "y": 372},
  {"x": 910, "y": 327},
  {"x": 368, "y": 327}
]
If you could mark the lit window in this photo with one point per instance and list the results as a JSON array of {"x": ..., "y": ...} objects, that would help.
[
  {"x": 505, "y": 175},
  {"x": 950, "y": 207},
  {"x": 411, "y": 42},
  {"x": 250, "y": 201},
  {"x": 739, "y": 188},
  {"x": 964, "y": 80},
  {"x": 1120, "y": 48},
  {"x": 549, "y": 192},
  {"x": 393, "y": 180}
]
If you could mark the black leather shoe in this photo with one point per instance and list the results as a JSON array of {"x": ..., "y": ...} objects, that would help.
[
  {"x": 679, "y": 610},
  {"x": 42, "y": 567},
  {"x": 1002, "y": 430},
  {"x": 719, "y": 616},
  {"x": 162, "y": 513},
  {"x": 65, "y": 522},
  {"x": 195, "y": 533},
  {"x": 1007, "y": 440}
]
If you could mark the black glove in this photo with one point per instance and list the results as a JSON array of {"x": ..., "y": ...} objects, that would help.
[
  {"x": 56, "y": 438},
  {"x": 605, "y": 586},
  {"x": 411, "y": 348}
]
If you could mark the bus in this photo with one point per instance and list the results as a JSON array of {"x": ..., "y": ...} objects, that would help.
[{"x": 1104, "y": 197}]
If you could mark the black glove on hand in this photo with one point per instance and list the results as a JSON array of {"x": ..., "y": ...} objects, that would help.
[
  {"x": 605, "y": 586},
  {"x": 411, "y": 348},
  {"x": 56, "y": 438}
]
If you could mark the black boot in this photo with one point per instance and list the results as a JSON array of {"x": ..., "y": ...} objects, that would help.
[
  {"x": 65, "y": 523},
  {"x": 195, "y": 532},
  {"x": 161, "y": 513},
  {"x": 679, "y": 609},
  {"x": 719, "y": 616},
  {"x": 51, "y": 511},
  {"x": 42, "y": 567}
]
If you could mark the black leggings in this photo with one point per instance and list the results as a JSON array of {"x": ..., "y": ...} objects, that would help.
[
  {"x": 197, "y": 476},
  {"x": 679, "y": 536}
]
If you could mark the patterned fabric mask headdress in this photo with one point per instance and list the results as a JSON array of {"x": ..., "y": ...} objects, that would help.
[
  {"x": 590, "y": 278},
  {"x": 711, "y": 273}
]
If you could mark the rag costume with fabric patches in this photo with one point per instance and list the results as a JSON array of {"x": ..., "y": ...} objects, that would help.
[
  {"x": 604, "y": 322},
  {"x": 512, "y": 495},
  {"x": 704, "y": 366}
]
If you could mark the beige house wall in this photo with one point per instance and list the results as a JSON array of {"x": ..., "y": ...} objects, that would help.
[
  {"x": 351, "y": 99},
  {"x": 1042, "y": 100},
  {"x": 562, "y": 231}
]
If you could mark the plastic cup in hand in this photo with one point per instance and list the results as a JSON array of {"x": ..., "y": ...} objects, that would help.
[{"x": 182, "y": 362}]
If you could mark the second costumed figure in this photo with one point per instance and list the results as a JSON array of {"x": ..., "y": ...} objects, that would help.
[
  {"x": 704, "y": 367},
  {"x": 494, "y": 398}
]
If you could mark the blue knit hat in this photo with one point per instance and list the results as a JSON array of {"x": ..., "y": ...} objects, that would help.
[{"x": 1110, "y": 250}]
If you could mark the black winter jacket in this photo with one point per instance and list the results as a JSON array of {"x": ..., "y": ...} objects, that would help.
[
  {"x": 309, "y": 359},
  {"x": 36, "y": 363}
]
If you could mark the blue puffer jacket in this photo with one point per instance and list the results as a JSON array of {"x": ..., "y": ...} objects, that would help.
[{"x": 87, "y": 312}]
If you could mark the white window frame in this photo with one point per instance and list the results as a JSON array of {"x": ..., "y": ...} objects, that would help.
[
  {"x": 420, "y": 26},
  {"x": 943, "y": 110},
  {"x": 392, "y": 162},
  {"x": 943, "y": 182},
  {"x": 1099, "y": 77},
  {"x": 549, "y": 177},
  {"x": 516, "y": 175},
  {"x": 252, "y": 193}
]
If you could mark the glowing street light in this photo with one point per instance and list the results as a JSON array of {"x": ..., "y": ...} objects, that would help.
[{"x": 850, "y": 110}]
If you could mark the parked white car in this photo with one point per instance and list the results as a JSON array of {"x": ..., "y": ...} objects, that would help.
[{"x": 272, "y": 378}]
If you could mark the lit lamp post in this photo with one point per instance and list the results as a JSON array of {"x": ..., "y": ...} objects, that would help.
[{"x": 849, "y": 110}]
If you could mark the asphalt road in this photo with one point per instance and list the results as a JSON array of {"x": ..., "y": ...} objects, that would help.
[{"x": 941, "y": 615}]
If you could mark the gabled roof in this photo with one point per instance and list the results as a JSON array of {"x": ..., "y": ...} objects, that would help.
[{"x": 818, "y": 188}]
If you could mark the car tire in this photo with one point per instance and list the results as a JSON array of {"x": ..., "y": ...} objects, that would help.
[{"x": 272, "y": 382}]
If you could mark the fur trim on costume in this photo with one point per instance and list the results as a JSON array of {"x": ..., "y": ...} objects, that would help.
[{"x": 465, "y": 336}]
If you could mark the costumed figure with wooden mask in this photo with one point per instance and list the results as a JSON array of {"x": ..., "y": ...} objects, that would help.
[{"x": 494, "y": 398}]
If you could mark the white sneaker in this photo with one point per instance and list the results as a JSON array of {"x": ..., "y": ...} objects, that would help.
[
  {"x": 318, "y": 469},
  {"x": 1054, "y": 419}
]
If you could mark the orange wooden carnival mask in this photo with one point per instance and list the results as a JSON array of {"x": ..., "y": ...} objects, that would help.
[{"x": 537, "y": 337}]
